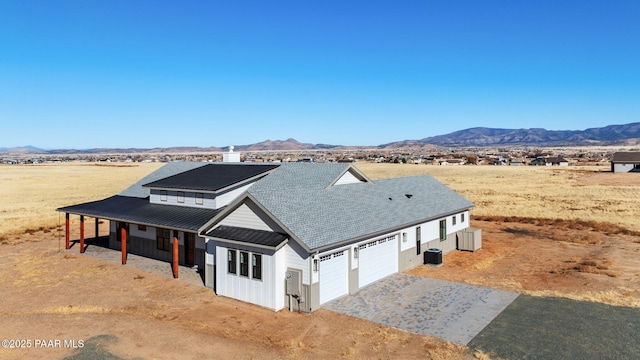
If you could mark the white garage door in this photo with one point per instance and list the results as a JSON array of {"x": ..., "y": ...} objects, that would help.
[
  {"x": 377, "y": 259},
  {"x": 334, "y": 276}
]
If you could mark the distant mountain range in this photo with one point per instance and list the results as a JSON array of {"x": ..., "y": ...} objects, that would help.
[
  {"x": 481, "y": 136},
  {"x": 628, "y": 134}
]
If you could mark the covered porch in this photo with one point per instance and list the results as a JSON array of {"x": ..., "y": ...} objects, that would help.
[
  {"x": 126, "y": 217},
  {"x": 189, "y": 275}
]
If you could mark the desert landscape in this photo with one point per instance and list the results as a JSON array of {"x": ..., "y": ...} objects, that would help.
[{"x": 547, "y": 231}]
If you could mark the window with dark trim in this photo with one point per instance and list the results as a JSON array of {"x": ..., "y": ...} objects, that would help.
[
  {"x": 256, "y": 266},
  {"x": 163, "y": 195},
  {"x": 244, "y": 263},
  {"x": 462, "y": 217},
  {"x": 453, "y": 220},
  {"x": 142, "y": 227},
  {"x": 418, "y": 239},
  {"x": 443, "y": 230},
  {"x": 163, "y": 239},
  {"x": 231, "y": 262},
  {"x": 180, "y": 196},
  {"x": 199, "y": 198}
]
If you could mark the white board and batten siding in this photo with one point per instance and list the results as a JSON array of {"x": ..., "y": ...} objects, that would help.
[
  {"x": 245, "y": 217},
  {"x": 190, "y": 199},
  {"x": 260, "y": 292},
  {"x": 293, "y": 260},
  {"x": 226, "y": 198}
]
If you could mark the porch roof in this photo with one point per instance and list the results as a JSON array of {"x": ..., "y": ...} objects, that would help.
[
  {"x": 140, "y": 211},
  {"x": 248, "y": 236}
]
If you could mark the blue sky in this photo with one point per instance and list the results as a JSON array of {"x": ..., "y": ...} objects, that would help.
[{"x": 85, "y": 74}]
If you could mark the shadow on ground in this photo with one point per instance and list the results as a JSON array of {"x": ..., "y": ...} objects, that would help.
[{"x": 95, "y": 348}]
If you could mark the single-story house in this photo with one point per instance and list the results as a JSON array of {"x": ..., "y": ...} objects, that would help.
[
  {"x": 281, "y": 235},
  {"x": 550, "y": 161},
  {"x": 627, "y": 161}
]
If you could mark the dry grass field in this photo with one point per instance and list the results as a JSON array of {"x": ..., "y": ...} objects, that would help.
[
  {"x": 567, "y": 232},
  {"x": 31, "y": 193},
  {"x": 586, "y": 193}
]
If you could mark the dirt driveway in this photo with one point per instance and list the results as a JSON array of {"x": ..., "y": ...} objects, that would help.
[
  {"x": 52, "y": 294},
  {"x": 549, "y": 258},
  {"x": 121, "y": 312}
]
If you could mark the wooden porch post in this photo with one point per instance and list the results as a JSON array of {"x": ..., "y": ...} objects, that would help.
[
  {"x": 175, "y": 254},
  {"x": 123, "y": 244},
  {"x": 81, "y": 234},
  {"x": 66, "y": 230},
  {"x": 97, "y": 231}
]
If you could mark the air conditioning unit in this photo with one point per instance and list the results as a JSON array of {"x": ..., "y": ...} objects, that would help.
[{"x": 433, "y": 257}]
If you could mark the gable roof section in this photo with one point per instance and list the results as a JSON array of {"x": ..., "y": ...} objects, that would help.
[
  {"x": 140, "y": 211},
  {"x": 212, "y": 177},
  {"x": 626, "y": 157},
  {"x": 322, "y": 218},
  {"x": 297, "y": 197},
  {"x": 310, "y": 176},
  {"x": 170, "y": 169}
]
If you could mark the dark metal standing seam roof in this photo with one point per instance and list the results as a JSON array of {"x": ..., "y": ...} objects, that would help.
[
  {"x": 140, "y": 211},
  {"x": 212, "y": 177},
  {"x": 251, "y": 236}
]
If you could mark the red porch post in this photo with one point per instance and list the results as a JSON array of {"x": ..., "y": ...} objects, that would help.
[
  {"x": 81, "y": 234},
  {"x": 66, "y": 230},
  {"x": 123, "y": 245},
  {"x": 175, "y": 254}
]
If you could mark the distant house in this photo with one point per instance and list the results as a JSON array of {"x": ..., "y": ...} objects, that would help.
[
  {"x": 451, "y": 162},
  {"x": 625, "y": 162},
  {"x": 286, "y": 235},
  {"x": 549, "y": 161}
]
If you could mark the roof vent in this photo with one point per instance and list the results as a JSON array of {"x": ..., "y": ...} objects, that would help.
[
  {"x": 408, "y": 196},
  {"x": 390, "y": 199}
]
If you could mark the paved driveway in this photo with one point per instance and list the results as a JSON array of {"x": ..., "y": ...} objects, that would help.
[{"x": 447, "y": 310}]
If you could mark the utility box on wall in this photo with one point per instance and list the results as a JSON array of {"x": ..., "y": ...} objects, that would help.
[
  {"x": 470, "y": 239},
  {"x": 293, "y": 282}
]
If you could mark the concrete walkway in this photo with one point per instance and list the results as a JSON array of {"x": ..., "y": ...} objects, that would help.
[
  {"x": 447, "y": 310},
  {"x": 98, "y": 249}
]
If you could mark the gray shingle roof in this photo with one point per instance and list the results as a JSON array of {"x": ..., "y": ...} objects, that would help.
[
  {"x": 321, "y": 216},
  {"x": 300, "y": 197}
]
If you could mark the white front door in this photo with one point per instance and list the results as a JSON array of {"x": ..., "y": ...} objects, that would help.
[
  {"x": 377, "y": 259},
  {"x": 334, "y": 275}
]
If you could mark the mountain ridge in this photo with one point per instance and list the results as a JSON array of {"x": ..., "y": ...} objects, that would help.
[{"x": 472, "y": 137}]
